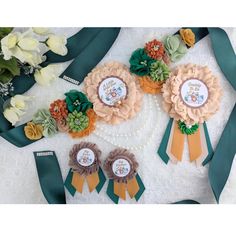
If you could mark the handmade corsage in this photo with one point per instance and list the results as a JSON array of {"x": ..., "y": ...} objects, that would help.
[
  {"x": 73, "y": 115},
  {"x": 84, "y": 165},
  {"x": 191, "y": 96},
  {"x": 121, "y": 168},
  {"x": 114, "y": 92},
  {"x": 151, "y": 63}
]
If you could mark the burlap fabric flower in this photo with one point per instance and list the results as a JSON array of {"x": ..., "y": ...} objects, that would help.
[
  {"x": 85, "y": 170},
  {"x": 116, "y": 154}
]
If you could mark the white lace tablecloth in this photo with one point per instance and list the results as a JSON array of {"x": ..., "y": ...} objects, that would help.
[{"x": 164, "y": 183}]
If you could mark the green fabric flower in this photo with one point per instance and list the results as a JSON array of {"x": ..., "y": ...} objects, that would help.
[
  {"x": 44, "y": 118},
  {"x": 77, "y": 121},
  {"x": 159, "y": 71},
  {"x": 187, "y": 129},
  {"x": 78, "y": 101},
  {"x": 140, "y": 62},
  {"x": 175, "y": 47}
]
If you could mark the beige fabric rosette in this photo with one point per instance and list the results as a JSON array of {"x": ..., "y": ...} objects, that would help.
[
  {"x": 173, "y": 102},
  {"x": 126, "y": 108}
]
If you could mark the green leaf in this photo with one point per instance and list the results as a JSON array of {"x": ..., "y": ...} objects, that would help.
[
  {"x": 6, "y": 77},
  {"x": 4, "y": 31},
  {"x": 8, "y": 69}
]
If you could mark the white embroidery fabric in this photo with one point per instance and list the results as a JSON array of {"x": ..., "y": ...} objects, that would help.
[{"x": 164, "y": 183}]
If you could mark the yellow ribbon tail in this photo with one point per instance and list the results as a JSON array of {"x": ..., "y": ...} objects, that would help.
[
  {"x": 78, "y": 182},
  {"x": 194, "y": 145},
  {"x": 177, "y": 144},
  {"x": 132, "y": 187},
  {"x": 119, "y": 189},
  {"x": 93, "y": 181}
]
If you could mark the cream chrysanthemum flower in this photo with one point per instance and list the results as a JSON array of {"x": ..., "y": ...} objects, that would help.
[
  {"x": 114, "y": 92},
  {"x": 201, "y": 96}
]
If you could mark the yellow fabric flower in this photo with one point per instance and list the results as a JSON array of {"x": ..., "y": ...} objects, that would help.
[
  {"x": 33, "y": 131},
  {"x": 187, "y": 36}
]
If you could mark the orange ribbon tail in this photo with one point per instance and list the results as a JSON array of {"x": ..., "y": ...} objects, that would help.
[
  {"x": 194, "y": 145},
  {"x": 78, "y": 182},
  {"x": 177, "y": 145},
  {"x": 132, "y": 187},
  {"x": 119, "y": 189},
  {"x": 93, "y": 181}
]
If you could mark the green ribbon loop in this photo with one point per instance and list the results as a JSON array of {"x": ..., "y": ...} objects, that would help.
[
  {"x": 50, "y": 177},
  {"x": 88, "y": 47}
]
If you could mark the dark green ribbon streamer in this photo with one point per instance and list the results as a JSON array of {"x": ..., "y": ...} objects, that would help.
[
  {"x": 88, "y": 47},
  {"x": 50, "y": 177},
  {"x": 221, "y": 162}
]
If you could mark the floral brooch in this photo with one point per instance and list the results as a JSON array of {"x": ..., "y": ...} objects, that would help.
[
  {"x": 121, "y": 168},
  {"x": 84, "y": 165},
  {"x": 191, "y": 96},
  {"x": 73, "y": 115},
  {"x": 114, "y": 92},
  {"x": 151, "y": 63}
]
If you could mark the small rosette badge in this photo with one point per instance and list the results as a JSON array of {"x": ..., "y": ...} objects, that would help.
[
  {"x": 85, "y": 166},
  {"x": 121, "y": 168},
  {"x": 191, "y": 96}
]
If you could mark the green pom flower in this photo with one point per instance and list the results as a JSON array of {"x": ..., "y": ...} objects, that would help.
[
  {"x": 140, "y": 62},
  {"x": 78, "y": 101},
  {"x": 77, "y": 121},
  {"x": 175, "y": 47},
  {"x": 159, "y": 71},
  {"x": 187, "y": 129},
  {"x": 43, "y": 117}
]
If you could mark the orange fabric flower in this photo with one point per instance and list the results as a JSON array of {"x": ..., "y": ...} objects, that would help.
[
  {"x": 187, "y": 36},
  {"x": 150, "y": 86},
  {"x": 155, "y": 49},
  {"x": 58, "y": 110},
  {"x": 33, "y": 131},
  {"x": 91, "y": 127}
]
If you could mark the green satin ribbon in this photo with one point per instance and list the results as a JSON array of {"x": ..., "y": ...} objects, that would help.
[
  {"x": 222, "y": 160},
  {"x": 50, "y": 177},
  {"x": 88, "y": 47},
  {"x": 187, "y": 202}
]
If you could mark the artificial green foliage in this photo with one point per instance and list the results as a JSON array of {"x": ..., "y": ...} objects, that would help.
[
  {"x": 175, "y": 47},
  {"x": 187, "y": 130},
  {"x": 44, "y": 118},
  {"x": 159, "y": 71},
  {"x": 4, "y": 31},
  {"x": 77, "y": 121},
  {"x": 8, "y": 69},
  {"x": 140, "y": 62},
  {"x": 77, "y": 101}
]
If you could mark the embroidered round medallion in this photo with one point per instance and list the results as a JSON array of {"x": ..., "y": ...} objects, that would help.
[
  {"x": 194, "y": 92},
  {"x": 112, "y": 91},
  {"x": 121, "y": 167},
  {"x": 85, "y": 157}
]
